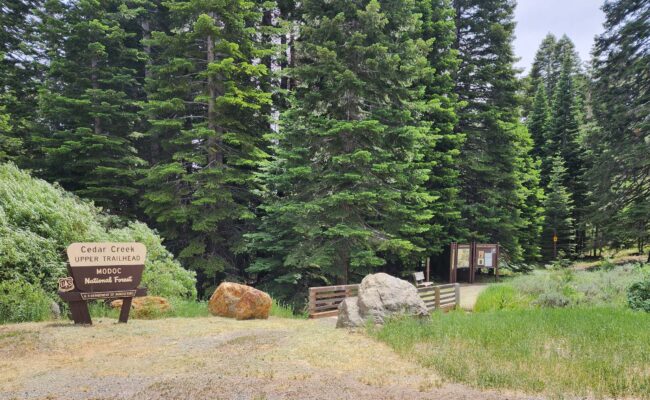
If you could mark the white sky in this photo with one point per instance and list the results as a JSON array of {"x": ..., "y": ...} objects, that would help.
[{"x": 581, "y": 20}]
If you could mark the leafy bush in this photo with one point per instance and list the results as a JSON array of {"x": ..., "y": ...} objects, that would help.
[
  {"x": 638, "y": 296},
  {"x": 501, "y": 297},
  {"x": 21, "y": 302},
  {"x": 567, "y": 287},
  {"x": 39, "y": 220},
  {"x": 552, "y": 300}
]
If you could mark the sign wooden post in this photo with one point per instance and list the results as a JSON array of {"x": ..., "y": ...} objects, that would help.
[{"x": 102, "y": 271}]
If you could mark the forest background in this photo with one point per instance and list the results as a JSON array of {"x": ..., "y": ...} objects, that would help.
[{"x": 293, "y": 144}]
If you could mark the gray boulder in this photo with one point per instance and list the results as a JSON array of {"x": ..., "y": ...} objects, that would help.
[
  {"x": 349, "y": 314},
  {"x": 380, "y": 297}
]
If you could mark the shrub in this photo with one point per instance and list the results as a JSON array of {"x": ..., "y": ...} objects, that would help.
[
  {"x": 21, "y": 302},
  {"x": 552, "y": 300},
  {"x": 638, "y": 296},
  {"x": 39, "y": 220},
  {"x": 501, "y": 297}
]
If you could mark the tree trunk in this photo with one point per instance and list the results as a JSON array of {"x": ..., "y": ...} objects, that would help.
[
  {"x": 215, "y": 153},
  {"x": 95, "y": 85}
]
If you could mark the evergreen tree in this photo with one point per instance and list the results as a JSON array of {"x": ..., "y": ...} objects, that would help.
[
  {"x": 88, "y": 103},
  {"x": 540, "y": 71},
  {"x": 491, "y": 184},
  {"x": 205, "y": 108},
  {"x": 563, "y": 140},
  {"x": 531, "y": 196},
  {"x": 445, "y": 143},
  {"x": 539, "y": 121},
  {"x": 620, "y": 172},
  {"x": 20, "y": 77},
  {"x": 349, "y": 167},
  {"x": 558, "y": 213}
]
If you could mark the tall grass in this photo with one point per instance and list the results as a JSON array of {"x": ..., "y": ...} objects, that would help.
[
  {"x": 181, "y": 308},
  {"x": 601, "y": 352}
]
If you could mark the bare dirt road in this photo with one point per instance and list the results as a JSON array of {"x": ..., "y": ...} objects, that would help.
[{"x": 215, "y": 358}]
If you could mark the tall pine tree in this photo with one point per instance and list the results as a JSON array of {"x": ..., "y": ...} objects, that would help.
[
  {"x": 89, "y": 105},
  {"x": 558, "y": 214},
  {"x": 346, "y": 183},
  {"x": 492, "y": 161},
  {"x": 563, "y": 139},
  {"x": 205, "y": 108},
  {"x": 443, "y": 150},
  {"x": 539, "y": 122},
  {"x": 620, "y": 172},
  {"x": 21, "y": 67}
]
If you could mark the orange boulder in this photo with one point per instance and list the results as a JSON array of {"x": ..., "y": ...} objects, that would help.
[
  {"x": 234, "y": 300},
  {"x": 146, "y": 307}
]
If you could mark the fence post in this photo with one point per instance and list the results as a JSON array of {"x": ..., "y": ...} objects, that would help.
[
  {"x": 457, "y": 294},
  {"x": 437, "y": 298},
  {"x": 312, "y": 302}
]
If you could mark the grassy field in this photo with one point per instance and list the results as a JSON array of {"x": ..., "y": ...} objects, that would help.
[
  {"x": 182, "y": 309},
  {"x": 596, "y": 352}
]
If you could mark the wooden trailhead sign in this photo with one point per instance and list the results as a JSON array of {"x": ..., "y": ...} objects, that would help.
[
  {"x": 102, "y": 271},
  {"x": 470, "y": 257}
]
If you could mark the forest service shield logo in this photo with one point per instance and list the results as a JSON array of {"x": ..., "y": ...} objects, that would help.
[{"x": 66, "y": 284}]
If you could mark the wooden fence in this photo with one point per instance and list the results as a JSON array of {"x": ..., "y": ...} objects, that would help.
[
  {"x": 324, "y": 300},
  {"x": 441, "y": 297}
]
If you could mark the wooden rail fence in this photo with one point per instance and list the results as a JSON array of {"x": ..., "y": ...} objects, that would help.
[
  {"x": 324, "y": 300},
  {"x": 441, "y": 297}
]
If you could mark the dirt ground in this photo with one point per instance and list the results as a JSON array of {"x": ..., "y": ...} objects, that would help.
[
  {"x": 215, "y": 358},
  {"x": 469, "y": 294}
]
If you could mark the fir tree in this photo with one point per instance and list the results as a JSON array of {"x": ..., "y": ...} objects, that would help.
[
  {"x": 88, "y": 104},
  {"x": 563, "y": 140},
  {"x": 558, "y": 213},
  {"x": 20, "y": 77},
  {"x": 349, "y": 169},
  {"x": 539, "y": 121},
  {"x": 445, "y": 143},
  {"x": 206, "y": 107},
  {"x": 620, "y": 172},
  {"x": 491, "y": 184}
]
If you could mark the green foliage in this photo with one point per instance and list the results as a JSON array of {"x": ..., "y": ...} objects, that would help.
[
  {"x": 558, "y": 213},
  {"x": 89, "y": 104},
  {"x": 346, "y": 186},
  {"x": 501, "y": 297},
  {"x": 205, "y": 118},
  {"x": 38, "y": 221},
  {"x": 621, "y": 94},
  {"x": 568, "y": 288},
  {"x": 496, "y": 163},
  {"x": 638, "y": 295},
  {"x": 22, "y": 302},
  {"x": 605, "y": 350},
  {"x": 21, "y": 64},
  {"x": 539, "y": 121},
  {"x": 281, "y": 310}
]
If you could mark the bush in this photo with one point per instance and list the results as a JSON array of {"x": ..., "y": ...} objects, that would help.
[
  {"x": 39, "y": 220},
  {"x": 552, "y": 300},
  {"x": 501, "y": 297},
  {"x": 638, "y": 296},
  {"x": 22, "y": 302},
  {"x": 567, "y": 287}
]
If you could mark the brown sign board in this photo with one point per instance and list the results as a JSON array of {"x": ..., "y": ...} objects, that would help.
[
  {"x": 471, "y": 257},
  {"x": 102, "y": 271}
]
